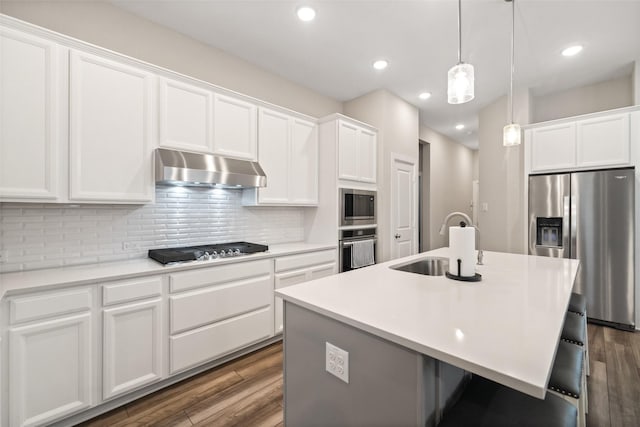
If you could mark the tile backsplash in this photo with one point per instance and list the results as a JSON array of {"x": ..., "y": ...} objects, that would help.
[{"x": 34, "y": 236}]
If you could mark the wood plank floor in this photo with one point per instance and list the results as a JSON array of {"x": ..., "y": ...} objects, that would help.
[{"x": 248, "y": 391}]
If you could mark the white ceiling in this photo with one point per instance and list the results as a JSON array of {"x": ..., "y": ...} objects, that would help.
[{"x": 333, "y": 54}]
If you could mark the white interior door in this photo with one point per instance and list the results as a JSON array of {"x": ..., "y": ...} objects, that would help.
[{"x": 404, "y": 196}]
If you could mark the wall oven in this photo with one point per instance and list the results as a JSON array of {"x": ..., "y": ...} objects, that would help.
[
  {"x": 346, "y": 246},
  {"x": 357, "y": 207}
]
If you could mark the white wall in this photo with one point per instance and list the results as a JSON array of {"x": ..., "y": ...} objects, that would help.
[
  {"x": 107, "y": 26},
  {"x": 397, "y": 123},
  {"x": 450, "y": 177},
  {"x": 501, "y": 172},
  {"x": 600, "y": 96},
  {"x": 636, "y": 82},
  {"x": 53, "y": 235}
]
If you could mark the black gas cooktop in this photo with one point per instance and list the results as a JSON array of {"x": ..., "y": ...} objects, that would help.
[{"x": 205, "y": 252}]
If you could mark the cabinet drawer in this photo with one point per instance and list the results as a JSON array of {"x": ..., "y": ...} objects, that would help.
[
  {"x": 305, "y": 260},
  {"x": 220, "y": 274},
  {"x": 197, "y": 308},
  {"x": 195, "y": 347},
  {"x": 131, "y": 290},
  {"x": 24, "y": 309}
]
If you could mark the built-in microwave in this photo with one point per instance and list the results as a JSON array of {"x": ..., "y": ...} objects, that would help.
[{"x": 357, "y": 207}]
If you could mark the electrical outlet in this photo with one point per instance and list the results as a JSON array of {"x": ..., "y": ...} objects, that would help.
[
  {"x": 337, "y": 362},
  {"x": 130, "y": 246},
  {"x": 484, "y": 207}
]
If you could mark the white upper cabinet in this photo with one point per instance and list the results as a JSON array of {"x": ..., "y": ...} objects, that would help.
[
  {"x": 303, "y": 163},
  {"x": 234, "y": 127},
  {"x": 553, "y": 147},
  {"x": 367, "y": 156},
  {"x": 603, "y": 141},
  {"x": 288, "y": 154},
  {"x": 110, "y": 122},
  {"x": 274, "y": 131},
  {"x": 29, "y": 117},
  {"x": 357, "y": 147},
  {"x": 594, "y": 142},
  {"x": 185, "y": 116}
]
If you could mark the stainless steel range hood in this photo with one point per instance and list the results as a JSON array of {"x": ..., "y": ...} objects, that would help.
[{"x": 194, "y": 169}]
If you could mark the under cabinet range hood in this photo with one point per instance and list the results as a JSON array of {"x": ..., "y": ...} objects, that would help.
[{"x": 184, "y": 168}]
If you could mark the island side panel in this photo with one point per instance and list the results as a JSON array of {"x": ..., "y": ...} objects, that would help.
[{"x": 388, "y": 384}]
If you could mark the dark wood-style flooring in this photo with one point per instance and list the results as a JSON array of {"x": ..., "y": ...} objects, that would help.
[{"x": 248, "y": 391}]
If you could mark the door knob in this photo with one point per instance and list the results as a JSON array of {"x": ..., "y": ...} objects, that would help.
[{"x": 397, "y": 236}]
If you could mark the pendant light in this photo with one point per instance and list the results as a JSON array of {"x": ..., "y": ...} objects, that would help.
[
  {"x": 511, "y": 134},
  {"x": 460, "y": 77}
]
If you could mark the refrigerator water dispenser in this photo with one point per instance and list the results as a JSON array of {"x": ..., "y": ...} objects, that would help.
[{"x": 549, "y": 232}]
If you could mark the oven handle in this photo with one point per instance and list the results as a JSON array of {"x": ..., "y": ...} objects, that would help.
[{"x": 349, "y": 243}]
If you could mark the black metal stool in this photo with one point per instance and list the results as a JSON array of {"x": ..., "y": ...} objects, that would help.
[{"x": 485, "y": 403}]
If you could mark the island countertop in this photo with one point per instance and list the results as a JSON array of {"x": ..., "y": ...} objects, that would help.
[{"x": 505, "y": 328}]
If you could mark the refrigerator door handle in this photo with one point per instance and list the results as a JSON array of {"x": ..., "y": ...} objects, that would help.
[
  {"x": 567, "y": 231},
  {"x": 574, "y": 228}
]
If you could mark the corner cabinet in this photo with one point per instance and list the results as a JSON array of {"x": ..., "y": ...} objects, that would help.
[
  {"x": 288, "y": 154},
  {"x": 593, "y": 142},
  {"x": 30, "y": 119},
  {"x": 110, "y": 125}
]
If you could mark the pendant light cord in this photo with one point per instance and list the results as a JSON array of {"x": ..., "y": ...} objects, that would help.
[
  {"x": 459, "y": 32},
  {"x": 513, "y": 30}
]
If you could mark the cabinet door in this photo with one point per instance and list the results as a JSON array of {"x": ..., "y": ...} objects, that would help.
[
  {"x": 234, "y": 128},
  {"x": 324, "y": 270},
  {"x": 553, "y": 147},
  {"x": 186, "y": 116},
  {"x": 603, "y": 141},
  {"x": 273, "y": 155},
  {"x": 132, "y": 347},
  {"x": 282, "y": 281},
  {"x": 29, "y": 118},
  {"x": 347, "y": 151},
  {"x": 366, "y": 157},
  {"x": 110, "y": 131},
  {"x": 50, "y": 373},
  {"x": 303, "y": 155}
]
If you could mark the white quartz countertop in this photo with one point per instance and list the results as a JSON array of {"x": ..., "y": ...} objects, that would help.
[
  {"x": 505, "y": 328},
  {"x": 91, "y": 273}
]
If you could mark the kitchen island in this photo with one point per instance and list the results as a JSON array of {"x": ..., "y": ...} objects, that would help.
[{"x": 411, "y": 337}]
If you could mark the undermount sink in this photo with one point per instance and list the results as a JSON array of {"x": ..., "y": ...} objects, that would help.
[{"x": 430, "y": 266}]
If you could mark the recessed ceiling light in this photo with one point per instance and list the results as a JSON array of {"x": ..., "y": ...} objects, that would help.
[
  {"x": 306, "y": 13},
  {"x": 572, "y": 50},
  {"x": 459, "y": 126},
  {"x": 425, "y": 95},
  {"x": 380, "y": 64}
]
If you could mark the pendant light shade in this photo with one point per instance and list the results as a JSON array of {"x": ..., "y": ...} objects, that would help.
[
  {"x": 460, "y": 79},
  {"x": 511, "y": 134},
  {"x": 460, "y": 84}
]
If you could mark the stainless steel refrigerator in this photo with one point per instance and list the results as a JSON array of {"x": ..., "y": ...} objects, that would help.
[{"x": 590, "y": 216}]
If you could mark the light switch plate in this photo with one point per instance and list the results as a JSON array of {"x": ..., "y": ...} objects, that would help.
[{"x": 337, "y": 362}]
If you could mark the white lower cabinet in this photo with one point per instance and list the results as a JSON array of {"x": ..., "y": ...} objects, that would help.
[
  {"x": 220, "y": 310},
  {"x": 51, "y": 364},
  {"x": 132, "y": 352},
  {"x": 294, "y": 269}
]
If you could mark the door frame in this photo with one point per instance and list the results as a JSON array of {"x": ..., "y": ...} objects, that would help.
[{"x": 397, "y": 157}]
